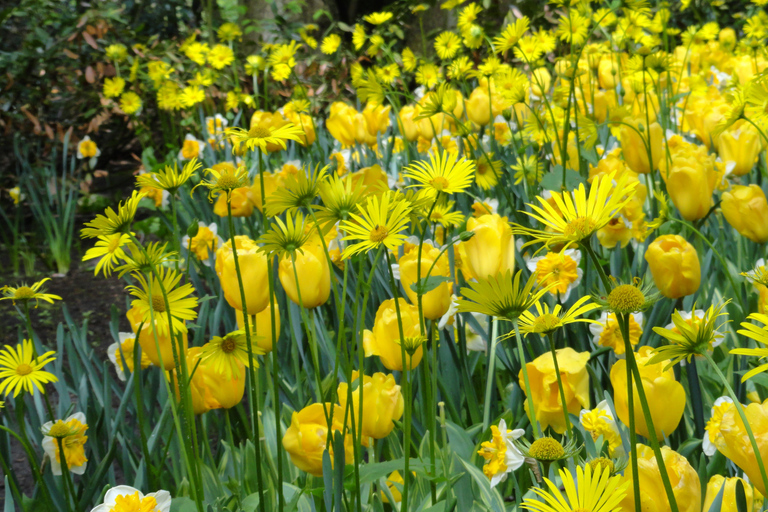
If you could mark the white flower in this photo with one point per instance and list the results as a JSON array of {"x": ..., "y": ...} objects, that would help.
[
  {"x": 113, "y": 353},
  {"x": 475, "y": 340},
  {"x": 193, "y": 141},
  {"x": 450, "y": 313},
  {"x": 707, "y": 446},
  {"x": 162, "y": 499},
  {"x": 81, "y": 147},
  {"x": 50, "y": 447},
  {"x": 574, "y": 255},
  {"x": 211, "y": 253},
  {"x": 513, "y": 458}
]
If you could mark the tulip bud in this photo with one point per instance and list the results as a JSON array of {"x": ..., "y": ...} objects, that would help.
[
  {"x": 492, "y": 248},
  {"x": 733, "y": 441},
  {"x": 202, "y": 398},
  {"x": 305, "y": 439},
  {"x": 384, "y": 339},
  {"x": 729, "y": 494},
  {"x": 666, "y": 396},
  {"x": 684, "y": 480},
  {"x": 313, "y": 273},
  {"x": 435, "y": 302},
  {"x": 746, "y": 209},
  {"x": 633, "y": 145},
  {"x": 150, "y": 345},
  {"x": 193, "y": 228},
  {"x": 674, "y": 265},
  {"x": 261, "y": 327},
  {"x": 382, "y": 403},
  {"x": 739, "y": 146},
  {"x": 544, "y": 389},
  {"x": 253, "y": 270}
]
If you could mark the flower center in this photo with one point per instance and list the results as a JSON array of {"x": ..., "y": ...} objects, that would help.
[
  {"x": 158, "y": 304},
  {"x": 114, "y": 244},
  {"x": 546, "y": 323},
  {"x": 228, "y": 345},
  {"x": 626, "y": 299},
  {"x": 23, "y": 293},
  {"x": 546, "y": 448},
  {"x": 24, "y": 369},
  {"x": 59, "y": 429},
  {"x": 227, "y": 181},
  {"x": 440, "y": 183},
  {"x": 602, "y": 463},
  {"x": 579, "y": 228},
  {"x": 259, "y": 132},
  {"x": 132, "y": 503},
  {"x": 379, "y": 234},
  {"x": 482, "y": 168}
]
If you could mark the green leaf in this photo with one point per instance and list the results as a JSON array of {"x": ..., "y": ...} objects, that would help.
[
  {"x": 428, "y": 284},
  {"x": 491, "y": 498},
  {"x": 184, "y": 504},
  {"x": 554, "y": 180},
  {"x": 741, "y": 496}
]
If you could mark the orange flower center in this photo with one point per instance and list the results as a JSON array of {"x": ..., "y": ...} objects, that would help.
[
  {"x": 259, "y": 132},
  {"x": 440, "y": 183},
  {"x": 579, "y": 228},
  {"x": 158, "y": 304},
  {"x": 23, "y": 369},
  {"x": 23, "y": 293},
  {"x": 228, "y": 345}
]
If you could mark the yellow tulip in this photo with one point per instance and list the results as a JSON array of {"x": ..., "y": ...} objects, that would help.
[
  {"x": 436, "y": 302},
  {"x": 540, "y": 81},
  {"x": 674, "y": 265},
  {"x": 261, "y": 325},
  {"x": 608, "y": 72},
  {"x": 305, "y": 439},
  {"x": 272, "y": 182},
  {"x": 685, "y": 482},
  {"x": 313, "y": 273},
  {"x": 203, "y": 399},
  {"x": 306, "y": 124},
  {"x": 734, "y": 443},
  {"x": 492, "y": 249},
  {"x": 633, "y": 144},
  {"x": 253, "y": 269},
  {"x": 341, "y": 123},
  {"x": 383, "y": 340},
  {"x": 739, "y": 146},
  {"x": 371, "y": 179},
  {"x": 382, "y": 403},
  {"x": 746, "y": 209},
  {"x": 406, "y": 124},
  {"x": 544, "y": 388},
  {"x": 666, "y": 396},
  {"x": 240, "y": 200},
  {"x": 729, "y": 495},
  {"x": 375, "y": 121},
  {"x": 478, "y": 106},
  {"x": 148, "y": 345}
]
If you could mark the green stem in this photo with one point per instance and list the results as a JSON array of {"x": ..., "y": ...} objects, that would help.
[
  {"x": 526, "y": 381},
  {"x": 490, "y": 376},
  {"x": 254, "y": 399},
  {"x": 560, "y": 388},
  {"x": 69, "y": 486}
]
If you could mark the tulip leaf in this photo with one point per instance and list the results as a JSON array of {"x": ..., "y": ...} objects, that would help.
[
  {"x": 717, "y": 503},
  {"x": 491, "y": 498},
  {"x": 428, "y": 284},
  {"x": 554, "y": 180}
]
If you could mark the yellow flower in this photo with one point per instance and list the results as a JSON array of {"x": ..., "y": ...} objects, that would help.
[
  {"x": 109, "y": 250},
  {"x": 253, "y": 269},
  {"x": 384, "y": 340},
  {"x": 492, "y": 248},
  {"x": 259, "y": 136},
  {"x": 113, "y": 87},
  {"x": 87, "y": 148},
  {"x": 314, "y": 276},
  {"x": 746, "y": 210},
  {"x": 728, "y": 500},
  {"x": 305, "y": 439},
  {"x": 409, "y": 60},
  {"x": 558, "y": 272},
  {"x": 606, "y": 333},
  {"x": 633, "y": 144},
  {"x": 229, "y": 32},
  {"x": 685, "y": 482},
  {"x": 377, "y": 18},
  {"x": 116, "y": 52},
  {"x": 162, "y": 358},
  {"x": 760, "y": 335},
  {"x": 221, "y": 56},
  {"x": 488, "y": 170},
  {"x": 261, "y": 327},
  {"x": 573, "y": 28},
  {"x": 428, "y": 75},
  {"x": 500, "y": 453},
  {"x": 691, "y": 334},
  {"x": 577, "y": 216},
  {"x": 228, "y": 354},
  {"x": 739, "y": 147},
  {"x": 379, "y": 223},
  {"x": 21, "y": 371},
  {"x": 117, "y": 352},
  {"x": 26, "y": 293},
  {"x": 435, "y": 303},
  {"x": 544, "y": 387},
  {"x": 113, "y": 222},
  {"x": 549, "y": 321},
  {"x": 447, "y": 44},
  {"x": 358, "y": 36},
  {"x": 599, "y": 422},
  {"x": 122, "y": 498},
  {"x": 591, "y": 490},
  {"x": 130, "y": 103},
  {"x": 197, "y": 52},
  {"x": 444, "y": 173},
  {"x": 330, "y": 44},
  {"x": 734, "y": 443},
  {"x": 712, "y": 435},
  {"x": 666, "y": 396},
  {"x": 204, "y": 244},
  {"x": 71, "y": 433},
  {"x": 199, "y": 385},
  {"x": 674, "y": 265},
  {"x": 149, "y": 297},
  {"x": 382, "y": 403}
]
